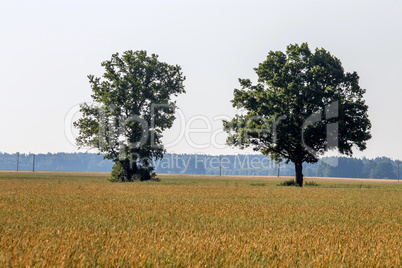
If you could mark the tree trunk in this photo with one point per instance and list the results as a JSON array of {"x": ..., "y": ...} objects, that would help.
[{"x": 299, "y": 174}]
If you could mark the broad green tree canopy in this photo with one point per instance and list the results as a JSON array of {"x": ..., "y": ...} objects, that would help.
[
  {"x": 303, "y": 105},
  {"x": 132, "y": 107}
]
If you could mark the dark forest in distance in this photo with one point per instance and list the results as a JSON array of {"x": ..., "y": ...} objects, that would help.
[{"x": 250, "y": 165}]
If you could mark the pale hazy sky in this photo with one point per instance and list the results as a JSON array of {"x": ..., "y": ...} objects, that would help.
[{"x": 48, "y": 48}]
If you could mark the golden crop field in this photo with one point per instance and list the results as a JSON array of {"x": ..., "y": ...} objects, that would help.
[{"x": 80, "y": 219}]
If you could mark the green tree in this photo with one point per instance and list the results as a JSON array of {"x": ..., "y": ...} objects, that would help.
[
  {"x": 346, "y": 168},
  {"x": 303, "y": 105},
  {"x": 132, "y": 107},
  {"x": 384, "y": 170}
]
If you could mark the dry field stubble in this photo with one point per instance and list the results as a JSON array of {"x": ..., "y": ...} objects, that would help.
[{"x": 78, "y": 219}]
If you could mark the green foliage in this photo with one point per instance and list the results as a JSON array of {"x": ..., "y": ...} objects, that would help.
[
  {"x": 383, "y": 170},
  {"x": 133, "y": 108},
  {"x": 288, "y": 183},
  {"x": 120, "y": 173},
  {"x": 344, "y": 167},
  {"x": 242, "y": 165},
  {"x": 378, "y": 168},
  {"x": 311, "y": 183},
  {"x": 257, "y": 184},
  {"x": 298, "y": 94},
  {"x": 293, "y": 183}
]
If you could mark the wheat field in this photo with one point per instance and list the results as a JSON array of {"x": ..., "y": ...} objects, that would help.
[{"x": 80, "y": 219}]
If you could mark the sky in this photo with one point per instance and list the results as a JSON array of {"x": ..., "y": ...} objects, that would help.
[{"x": 48, "y": 48}]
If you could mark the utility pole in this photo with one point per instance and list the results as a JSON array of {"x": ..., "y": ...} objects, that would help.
[
  {"x": 398, "y": 169},
  {"x": 279, "y": 168},
  {"x": 18, "y": 160},
  {"x": 33, "y": 164}
]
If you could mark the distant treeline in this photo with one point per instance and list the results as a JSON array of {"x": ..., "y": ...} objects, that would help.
[
  {"x": 56, "y": 162},
  {"x": 249, "y": 165}
]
